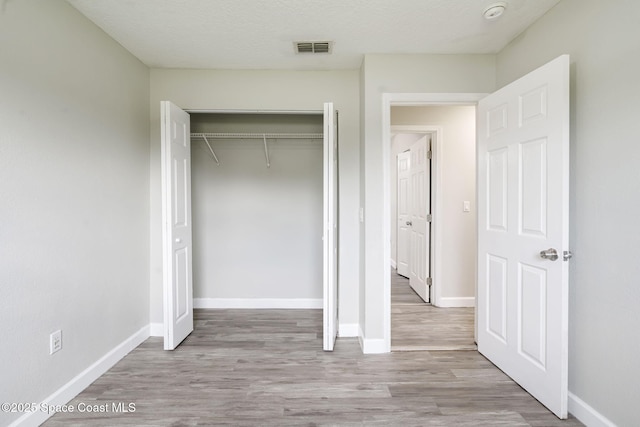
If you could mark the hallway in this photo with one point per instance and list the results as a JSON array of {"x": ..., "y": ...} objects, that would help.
[{"x": 416, "y": 325}]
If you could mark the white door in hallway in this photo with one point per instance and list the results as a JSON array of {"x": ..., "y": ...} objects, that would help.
[
  {"x": 419, "y": 210},
  {"x": 403, "y": 239},
  {"x": 330, "y": 226},
  {"x": 523, "y": 231},
  {"x": 176, "y": 224}
]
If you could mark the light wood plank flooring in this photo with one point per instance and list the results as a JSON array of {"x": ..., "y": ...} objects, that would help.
[
  {"x": 416, "y": 325},
  {"x": 401, "y": 292},
  {"x": 266, "y": 368}
]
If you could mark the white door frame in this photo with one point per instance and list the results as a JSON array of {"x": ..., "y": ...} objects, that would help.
[{"x": 411, "y": 100}]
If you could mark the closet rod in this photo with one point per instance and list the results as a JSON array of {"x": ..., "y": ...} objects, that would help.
[{"x": 259, "y": 135}]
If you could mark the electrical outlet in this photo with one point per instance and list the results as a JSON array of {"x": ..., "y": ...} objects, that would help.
[{"x": 55, "y": 341}]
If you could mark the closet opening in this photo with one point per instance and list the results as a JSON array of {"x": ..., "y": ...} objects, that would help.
[
  {"x": 257, "y": 210},
  {"x": 250, "y": 221}
]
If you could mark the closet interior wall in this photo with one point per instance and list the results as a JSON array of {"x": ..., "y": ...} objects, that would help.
[{"x": 257, "y": 230}]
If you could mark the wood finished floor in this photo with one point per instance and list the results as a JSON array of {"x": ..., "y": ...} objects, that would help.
[
  {"x": 266, "y": 368},
  {"x": 416, "y": 325}
]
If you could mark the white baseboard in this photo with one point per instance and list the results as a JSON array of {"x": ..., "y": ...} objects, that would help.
[
  {"x": 81, "y": 381},
  {"x": 393, "y": 264},
  {"x": 348, "y": 330},
  {"x": 372, "y": 346},
  {"x": 156, "y": 329},
  {"x": 586, "y": 414},
  {"x": 257, "y": 303},
  {"x": 451, "y": 302}
]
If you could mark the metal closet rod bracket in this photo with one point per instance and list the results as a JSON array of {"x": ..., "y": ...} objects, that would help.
[
  {"x": 211, "y": 149},
  {"x": 266, "y": 150}
]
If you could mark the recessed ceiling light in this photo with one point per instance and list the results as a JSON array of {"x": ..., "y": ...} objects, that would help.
[{"x": 494, "y": 10}]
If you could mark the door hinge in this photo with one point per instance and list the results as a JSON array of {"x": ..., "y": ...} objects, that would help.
[
  {"x": 429, "y": 218},
  {"x": 429, "y": 281},
  {"x": 429, "y": 154}
]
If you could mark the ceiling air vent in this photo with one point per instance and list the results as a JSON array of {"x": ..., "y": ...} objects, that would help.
[{"x": 313, "y": 47}]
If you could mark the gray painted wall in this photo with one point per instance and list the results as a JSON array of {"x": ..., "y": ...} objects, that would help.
[
  {"x": 74, "y": 180},
  {"x": 603, "y": 41}
]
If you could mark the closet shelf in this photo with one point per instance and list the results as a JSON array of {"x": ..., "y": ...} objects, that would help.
[
  {"x": 262, "y": 136},
  {"x": 258, "y": 135}
]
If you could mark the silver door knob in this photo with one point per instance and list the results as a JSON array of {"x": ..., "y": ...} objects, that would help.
[
  {"x": 178, "y": 240},
  {"x": 409, "y": 223},
  {"x": 550, "y": 254}
]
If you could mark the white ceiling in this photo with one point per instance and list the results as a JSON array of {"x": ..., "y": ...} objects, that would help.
[{"x": 259, "y": 34}]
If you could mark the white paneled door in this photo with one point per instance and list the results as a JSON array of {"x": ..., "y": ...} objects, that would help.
[
  {"x": 419, "y": 210},
  {"x": 523, "y": 233},
  {"x": 330, "y": 229},
  {"x": 176, "y": 222},
  {"x": 404, "y": 220}
]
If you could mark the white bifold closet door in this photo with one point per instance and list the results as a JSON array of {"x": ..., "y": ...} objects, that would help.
[
  {"x": 330, "y": 226},
  {"x": 176, "y": 224}
]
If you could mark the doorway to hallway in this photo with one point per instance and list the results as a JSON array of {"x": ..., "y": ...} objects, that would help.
[{"x": 447, "y": 201}]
